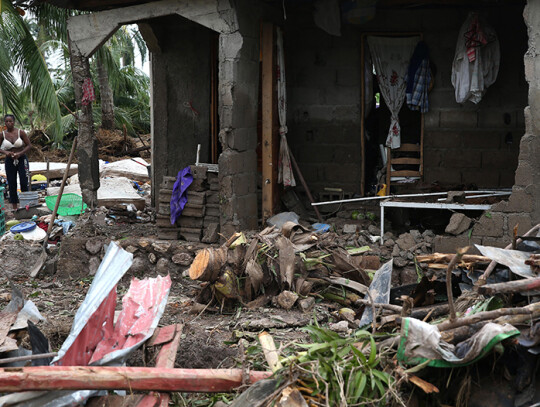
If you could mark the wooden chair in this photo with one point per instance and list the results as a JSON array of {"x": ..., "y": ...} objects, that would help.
[{"x": 410, "y": 155}]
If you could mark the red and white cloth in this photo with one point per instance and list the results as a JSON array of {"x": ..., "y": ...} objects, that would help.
[{"x": 88, "y": 92}]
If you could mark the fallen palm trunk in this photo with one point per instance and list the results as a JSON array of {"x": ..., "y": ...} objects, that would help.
[
  {"x": 445, "y": 258},
  {"x": 126, "y": 378},
  {"x": 516, "y": 286}
]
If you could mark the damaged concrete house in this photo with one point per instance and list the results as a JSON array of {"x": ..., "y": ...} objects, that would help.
[{"x": 215, "y": 84}]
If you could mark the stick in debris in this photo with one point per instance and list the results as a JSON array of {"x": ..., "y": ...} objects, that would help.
[
  {"x": 527, "y": 284},
  {"x": 491, "y": 266},
  {"x": 487, "y": 315},
  {"x": 28, "y": 357},
  {"x": 123, "y": 378},
  {"x": 456, "y": 259}
]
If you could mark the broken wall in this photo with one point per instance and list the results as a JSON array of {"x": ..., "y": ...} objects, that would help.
[{"x": 469, "y": 144}]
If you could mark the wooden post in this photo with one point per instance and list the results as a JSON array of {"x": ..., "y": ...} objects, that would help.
[
  {"x": 214, "y": 125},
  {"x": 124, "y": 378},
  {"x": 269, "y": 163}
]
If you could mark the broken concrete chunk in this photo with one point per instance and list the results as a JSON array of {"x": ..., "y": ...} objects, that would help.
[
  {"x": 182, "y": 259},
  {"x": 161, "y": 247},
  {"x": 417, "y": 236},
  {"x": 138, "y": 267},
  {"x": 131, "y": 249},
  {"x": 405, "y": 241},
  {"x": 341, "y": 326},
  {"x": 211, "y": 233},
  {"x": 458, "y": 224},
  {"x": 93, "y": 265},
  {"x": 456, "y": 197},
  {"x": 389, "y": 243},
  {"x": 162, "y": 266},
  {"x": 93, "y": 246},
  {"x": 286, "y": 299},
  {"x": 350, "y": 228},
  {"x": 374, "y": 230},
  {"x": 306, "y": 304},
  {"x": 400, "y": 262},
  {"x": 395, "y": 251}
]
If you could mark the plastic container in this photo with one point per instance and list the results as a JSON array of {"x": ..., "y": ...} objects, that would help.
[
  {"x": 28, "y": 198},
  {"x": 2, "y": 203},
  {"x": 70, "y": 204},
  {"x": 23, "y": 227}
]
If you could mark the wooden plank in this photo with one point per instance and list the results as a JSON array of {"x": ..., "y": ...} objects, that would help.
[
  {"x": 408, "y": 147},
  {"x": 406, "y": 160},
  {"x": 165, "y": 358},
  {"x": 405, "y": 173},
  {"x": 124, "y": 378},
  {"x": 268, "y": 119}
]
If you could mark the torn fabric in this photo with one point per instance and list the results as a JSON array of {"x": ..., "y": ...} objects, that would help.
[
  {"x": 421, "y": 342},
  {"x": 179, "y": 195}
]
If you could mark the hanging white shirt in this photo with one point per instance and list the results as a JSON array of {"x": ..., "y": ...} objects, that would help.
[{"x": 471, "y": 79}]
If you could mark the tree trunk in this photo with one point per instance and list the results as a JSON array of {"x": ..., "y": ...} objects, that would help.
[
  {"x": 107, "y": 103},
  {"x": 87, "y": 151}
]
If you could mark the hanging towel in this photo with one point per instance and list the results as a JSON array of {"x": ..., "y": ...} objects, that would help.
[
  {"x": 179, "y": 194},
  {"x": 418, "y": 79},
  {"x": 472, "y": 78}
]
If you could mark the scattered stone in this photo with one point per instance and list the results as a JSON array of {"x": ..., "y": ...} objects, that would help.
[
  {"x": 306, "y": 304},
  {"x": 144, "y": 243},
  {"x": 211, "y": 233},
  {"x": 400, "y": 262},
  {"x": 161, "y": 247},
  {"x": 138, "y": 267},
  {"x": 458, "y": 224},
  {"x": 416, "y": 235},
  {"x": 410, "y": 256},
  {"x": 374, "y": 230},
  {"x": 403, "y": 253},
  {"x": 389, "y": 243},
  {"x": 93, "y": 265},
  {"x": 341, "y": 326},
  {"x": 388, "y": 235},
  {"x": 131, "y": 249},
  {"x": 405, "y": 241},
  {"x": 182, "y": 259},
  {"x": 162, "y": 266},
  {"x": 395, "y": 251},
  {"x": 286, "y": 299},
  {"x": 349, "y": 228},
  {"x": 408, "y": 276},
  {"x": 152, "y": 258},
  {"x": 93, "y": 246},
  {"x": 428, "y": 233}
]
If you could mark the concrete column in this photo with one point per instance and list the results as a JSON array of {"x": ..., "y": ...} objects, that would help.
[
  {"x": 238, "y": 104},
  {"x": 87, "y": 152}
]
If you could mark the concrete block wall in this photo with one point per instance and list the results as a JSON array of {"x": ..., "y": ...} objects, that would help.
[
  {"x": 475, "y": 144},
  {"x": 523, "y": 206},
  {"x": 323, "y": 91},
  {"x": 464, "y": 144}
]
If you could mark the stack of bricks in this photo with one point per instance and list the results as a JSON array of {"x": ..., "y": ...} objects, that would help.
[
  {"x": 200, "y": 218},
  {"x": 199, "y": 221},
  {"x": 165, "y": 230}
]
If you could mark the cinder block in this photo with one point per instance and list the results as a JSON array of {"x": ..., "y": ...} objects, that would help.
[
  {"x": 459, "y": 119},
  {"x": 524, "y": 221},
  {"x": 348, "y": 76},
  {"x": 482, "y": 139},
  {"x": 496, "y": 118},
  {"x": 348, "y": 114},
  {"x": 490, "y": 224},
  {"x": 520, "y": 201},
  {"x": 524, "y": 174},
  {"x": 431, "y": 120},
  {"x": 462, "y": 158},
  {"x": 450, "y": 244},
  {"x": 501, "y": 242},
  {"x": 443, "y": 176},
  {"x": 499, "y": 159},
  {"x": 442, "y": 139}
]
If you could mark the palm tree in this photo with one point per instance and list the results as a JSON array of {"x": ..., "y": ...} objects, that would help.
[{"x": 21, "y": 55}]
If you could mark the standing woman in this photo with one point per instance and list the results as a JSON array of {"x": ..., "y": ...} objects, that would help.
[{"x": 15, "y": 144}]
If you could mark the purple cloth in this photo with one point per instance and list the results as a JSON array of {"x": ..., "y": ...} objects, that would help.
[{"x": 179, "y": 194}]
